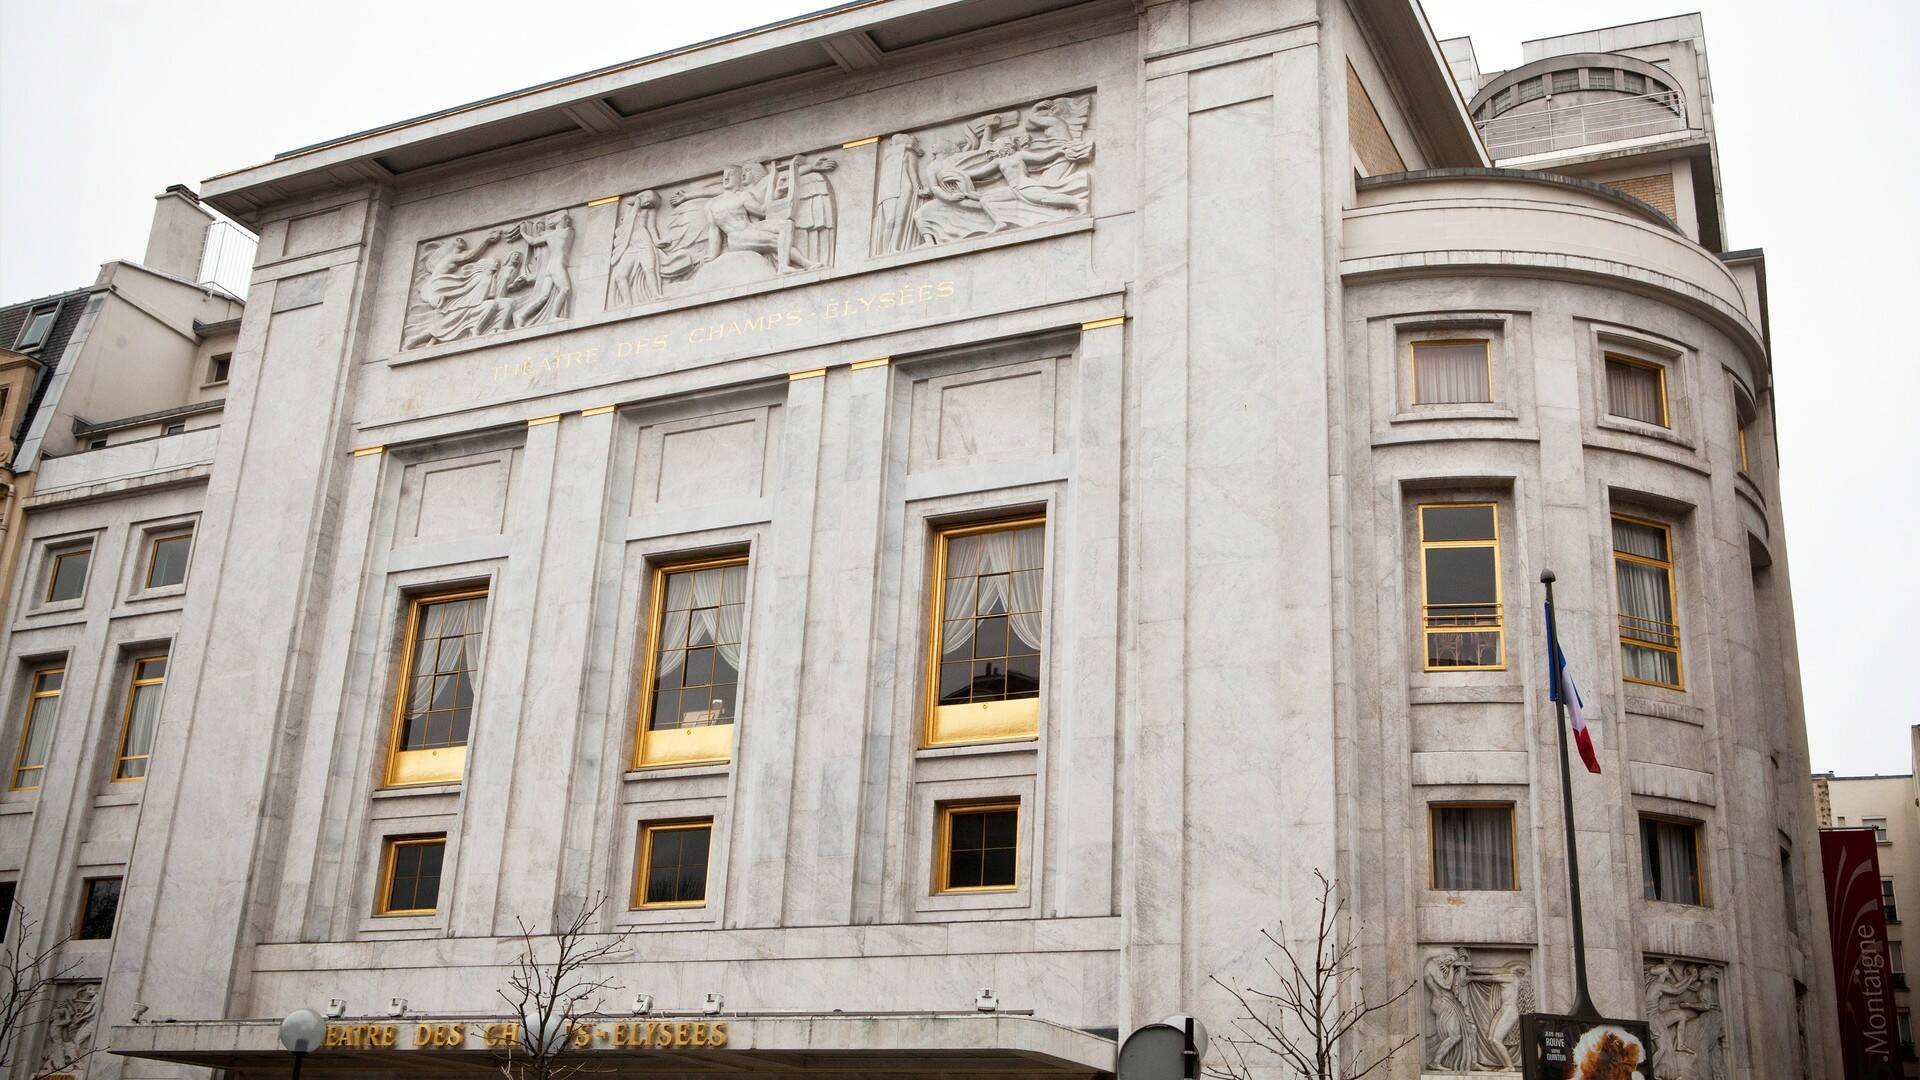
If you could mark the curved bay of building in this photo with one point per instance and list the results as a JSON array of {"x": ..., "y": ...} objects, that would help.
[{"x": 1260, "y": 458}]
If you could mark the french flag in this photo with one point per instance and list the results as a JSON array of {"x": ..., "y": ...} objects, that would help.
[{"x": 1563, "y": 690}]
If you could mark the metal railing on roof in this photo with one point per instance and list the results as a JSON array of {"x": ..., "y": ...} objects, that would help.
[
  {"x": 1553, "y": 128},
  {"x": 227, "y": 259}
]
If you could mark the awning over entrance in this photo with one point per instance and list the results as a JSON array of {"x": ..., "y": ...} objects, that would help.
[{"x": 971, "y": 1045}]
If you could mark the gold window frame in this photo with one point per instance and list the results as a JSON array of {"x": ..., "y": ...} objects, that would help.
[
  {"x": 36, "y": 695},
  {"x": 1666, "y": 403},
  {"x": 1699, "y": 831},
  {"x": 643, "y": 863},
  {"x": 1433, "y": 842},
  {"x": 53, "y": 573},
  {"x": 1427, "y": 630},
  {"x": 709, "y": 745},
  {"x": 153, "y": 555},
  {"x": 1413, "y": 367},
  {"x": 87, "y": 886},
  {"x": 134, "y": 685},
  {"x": 390, "y": 860},
  {"x": 435, "y": 765},
  {"x": 1673, "y": 602},
  {"x": 976, "y": 721},
  {"x": 943, "y": 844}
]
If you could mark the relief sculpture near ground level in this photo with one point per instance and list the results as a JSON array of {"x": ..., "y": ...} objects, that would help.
[
  {"x": 1006, "y": 170},
  {"x": 1474, "y": 1005},
  {"x": 753, "y": 221},
  {"x": 487, "y": 280},
  {"x": 1684, "y": 1013},
  {"x": 69, "y": 1029}
]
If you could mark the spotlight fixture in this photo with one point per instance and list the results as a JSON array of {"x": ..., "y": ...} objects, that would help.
[
  {"x": 713, "y": 1004},
  {"x": 336, "y": 1007},
  {"x": 642, "y": 1004},
  {"x": 397, "y": 1007},
  {"x": 986, "y": 1000}
]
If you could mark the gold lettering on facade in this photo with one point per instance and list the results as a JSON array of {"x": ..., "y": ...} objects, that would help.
[
  {"x": 427, "y": 1035},
  {"x": 360, "y": 1035},
  {"x": 772, "y": 320}
]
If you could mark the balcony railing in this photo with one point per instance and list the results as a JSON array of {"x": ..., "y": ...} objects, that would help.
[
  {"x": 1546, "y": 130},
  {"x": 227, "y": 259}
]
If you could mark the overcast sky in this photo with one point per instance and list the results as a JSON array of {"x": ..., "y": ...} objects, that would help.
[{"x": 104, "y": 103}]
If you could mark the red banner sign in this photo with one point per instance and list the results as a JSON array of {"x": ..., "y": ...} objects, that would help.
[{"x": 1862, "y": 969}]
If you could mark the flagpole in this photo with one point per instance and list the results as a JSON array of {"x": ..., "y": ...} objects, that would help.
[{"x": 1582, "y": 1001}]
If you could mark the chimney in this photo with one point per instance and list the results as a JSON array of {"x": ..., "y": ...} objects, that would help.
[{"x": 179, "y": 235}]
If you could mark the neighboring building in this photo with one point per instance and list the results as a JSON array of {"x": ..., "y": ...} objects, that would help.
[
  {"x": 938, "y": 495},
  {"x": 1890, "y": 806}
]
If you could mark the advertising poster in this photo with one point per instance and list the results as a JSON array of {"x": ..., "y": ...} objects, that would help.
[
  {"x": 1568, "y": 1048},
  {"x": 1862, "y": 967}
]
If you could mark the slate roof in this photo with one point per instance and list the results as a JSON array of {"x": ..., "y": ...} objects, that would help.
[{"x": 12, "y": 317}]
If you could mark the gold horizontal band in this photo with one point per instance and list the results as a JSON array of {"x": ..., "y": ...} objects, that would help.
[
  {"x": 538, "y": 420},
  {"x": 603, "y": 201},
  {"x": 868, "y": 141},
  {"x": 598, "y": 410},
  {"x": 1096, "y": 324},
  {"x": 878, "y": 361},
  {"x": 370, "y": 451},
  {"x": 810, "y": 373}
]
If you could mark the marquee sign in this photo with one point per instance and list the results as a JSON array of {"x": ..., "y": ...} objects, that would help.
[{"x": 461, "y": 1035}]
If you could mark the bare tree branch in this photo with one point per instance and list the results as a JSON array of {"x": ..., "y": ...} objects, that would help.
[
  {"x": 1309, "y": 1018},
  {"x": 553, "y": 995}
]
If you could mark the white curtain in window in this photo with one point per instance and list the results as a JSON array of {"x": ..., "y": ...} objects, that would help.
[
  {"x": 1450, "y": 374},
  {"x": 1473, "y": 848},
  {"x": 1634, "y": 392},
  {"x": 1668, "y": 861},
  {"x": 140, "y": 724},
  {"x": 1029, "y": 585},
  {"x": 436, "y": 621},
  {"x": 733, "y": 613}
]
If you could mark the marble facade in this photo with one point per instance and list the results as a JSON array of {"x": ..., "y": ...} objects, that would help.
[{"x": 1106, "y": 263}]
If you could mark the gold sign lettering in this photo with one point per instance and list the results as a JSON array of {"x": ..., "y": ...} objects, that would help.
[
  {"x": 361, "y": 1035},
  {"x": 427, "y": 1035}
]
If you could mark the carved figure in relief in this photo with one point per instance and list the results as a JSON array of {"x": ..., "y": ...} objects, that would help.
[
  {"x": 751, "y": 222},
  {"x": 506, "y": 278},
  {"x": 1683, "y": 1013},
  {"x": 1474, "y": 1012},
  {"x": 69, "y": 1030},
  {"x": 1005, "y": 170}
]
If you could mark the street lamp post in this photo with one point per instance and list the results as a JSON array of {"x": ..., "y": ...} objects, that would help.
[{"x": 301, "y": 1033}]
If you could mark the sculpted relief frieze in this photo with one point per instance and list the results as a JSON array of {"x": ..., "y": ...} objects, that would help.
[
  {"x": 1475, "y": 999},
  {"x": 752, "y": 221},
  {"x": 1005, "y": 170},
  {"x": 487, "y": 280},
  {"x": 1684, "y": 1014}
]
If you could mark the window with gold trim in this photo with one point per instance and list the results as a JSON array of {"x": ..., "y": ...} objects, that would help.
[
  {"x": 410, "y": 871},
  {"x": 986, "y": 632},
  {"x": 1472, "y": 846},
  {"x": 1461, "y": 614},
  {"x": 439, "y": 677},
  {"x": 99, "y": 908},
  {"x": 67, "y": 574},
  {"x": 1649, "y": 626},
  {"x": 142, "y": 717},
  {"x": 36, "y": 727},
  {"x": 1670, "y": 863},
  {"x": 167, "y": 555},
  {"x": 978, "y": 847},
  {"x": 1637, "y": 389},
  {"x": 671, "y": 864},
  {"x": 1452, "y": 372},
  {"x": 690, "y": 692}
]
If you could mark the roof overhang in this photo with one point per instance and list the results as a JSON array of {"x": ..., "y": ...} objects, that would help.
[
  {"x": 982, "y": 1046},
  {"x": 1404, "y": 43},
  {"x": 848, "y": 38}
]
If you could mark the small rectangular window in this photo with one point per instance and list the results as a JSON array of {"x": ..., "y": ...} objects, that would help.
[
  {"x": 1887, "y": 902},
  {"x": 1472, "y": 847},
  {"x": 1599, "y": 78},
  {"x": 97, "y": 444},
  {"x": 673, "y": 864},
  {"x": 142, "y": 717},
  {"x": 219, "y": 368},
  {"x": 986, "y": 626},
  {"x": 1451, "y": 372},
  {"x": 1460, "y": 586},
  {"x": 175, "y": 429},
  {"x": 1637, "y": 390},
  {"x": 691, "y": 689},
  {"x": 1566, "y": 82},
  {"x": 1531, "y": 89},
  {"x": 1670, "y": 860},
  {"x": 36, "y": 727},
  {"x": 6, "y": 908},
  {"x": 39, "y": 324},
  {"x": 979, "y": 847},
  {"x": 67, "y": 576},
  {"x": 1879, "y": 827},
  {"x": 99, "y": 905},
  {"x": 167, "y": 559},
  {"x": 410, "y": 875},
  {"x": 1904, "y": 1022},
  {"x": 433, "y": 705},
  {"x": 1649, "y": 627},
  {"x": 1896, "y": 959},
  {"x": 1633, "y": 82}
]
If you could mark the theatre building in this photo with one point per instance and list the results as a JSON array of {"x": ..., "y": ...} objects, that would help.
[{"x": 940, "y": 517}]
